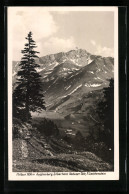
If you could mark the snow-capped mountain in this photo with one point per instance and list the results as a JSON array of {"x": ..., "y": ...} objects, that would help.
[{"x": 73, "y": 83}]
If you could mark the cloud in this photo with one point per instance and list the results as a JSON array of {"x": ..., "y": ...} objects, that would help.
[
  {"x": 25, "y": 19},
  {"x": 55, "y": 44},
  {"x": 93, "y": 42},
  {"x": 104, "y": 51},
  {"x": 37, "y": 20}
]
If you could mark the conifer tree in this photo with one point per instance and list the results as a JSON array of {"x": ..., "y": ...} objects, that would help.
[
  {"x": 106, "y": 115},
  {"x": 28, "y": 95}
]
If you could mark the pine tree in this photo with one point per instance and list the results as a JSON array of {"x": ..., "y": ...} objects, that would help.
[
  {"x": 28, "y": 95},
  {"x": 106, "y": 115}
]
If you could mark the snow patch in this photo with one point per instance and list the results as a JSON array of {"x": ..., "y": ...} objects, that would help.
[
  {"x": 68, "y": 87},
  {"x": 52, "y": 83},
  {"x": 91, "y": 72},
  {"x": 100, "y": 78},
  {"x": 45, "y": 76},
  {"x": 48, "y": 105},
  {"x": 74, "y": 69},
  {"x": 69, "y": 129},
  {"x": 70, "y": 72},
  {"x": 65, "y": 69},
  {"x": 20, "y": 108},
  {"x": 63, "y": 74},
  {"x": 98, "y": 70},
  {"x": 47, "y": 72},
  {"x": 75, "y": 89},
  {"x": 63, "y": 60},
  {"x": 50, "y": 69},
  {"x": 70, "y": 133},
  {"x": 54, "y": 64},
  {"x": 38, "y": 69},
  {"x": 78, "y": 65},
  {"x": 72, "y": 91},
  {"x": 73, "y": 60},
  {"x": 92, "y": 85},
  {"x": 89, "y": 61}
]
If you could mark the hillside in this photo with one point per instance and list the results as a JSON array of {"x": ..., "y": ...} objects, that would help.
[{"x": 33, "y": 152}]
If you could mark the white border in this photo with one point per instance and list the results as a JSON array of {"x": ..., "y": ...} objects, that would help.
[{"x": 109, "y": 175}]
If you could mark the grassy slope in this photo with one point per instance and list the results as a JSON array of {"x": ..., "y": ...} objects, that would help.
[
  {"x": 39, "y": 160},
  {"x": 62, "y": 163}
]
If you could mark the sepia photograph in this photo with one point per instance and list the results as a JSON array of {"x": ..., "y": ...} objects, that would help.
[{"x": 63, "y": 93}]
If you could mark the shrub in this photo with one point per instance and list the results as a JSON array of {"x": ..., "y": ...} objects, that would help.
[
  {"x": 48, "y": 128},
  {"x": 100, "y": 149},
  {"x": 21, "y": 129}
]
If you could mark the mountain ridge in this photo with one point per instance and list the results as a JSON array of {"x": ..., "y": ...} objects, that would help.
[{"x": 73, "y": 84}]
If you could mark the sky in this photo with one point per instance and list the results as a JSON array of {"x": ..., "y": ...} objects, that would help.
[{"x": 61, "y": 30}]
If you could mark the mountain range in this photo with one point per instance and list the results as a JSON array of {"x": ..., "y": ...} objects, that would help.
[{"x": 73, "y": 84}]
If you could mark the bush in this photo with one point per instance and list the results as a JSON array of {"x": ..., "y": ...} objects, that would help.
[
  {"x": 100, "y": 149},
  {"x": 79, "y": 141},
  {"x": 21, "y": 129},
  {"x": 76, "y": 141},
  {"x": 47, "y": 128}
]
